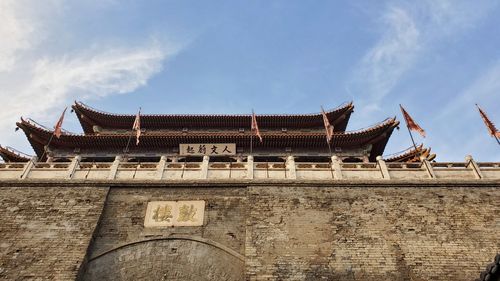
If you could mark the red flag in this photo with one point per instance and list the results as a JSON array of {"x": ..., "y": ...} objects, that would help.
[
  {"x": 491, "y": 127},
  {"x": 255, "y": 127},
  {"x": 328, "y": 127},
  {"x": 412, "y": 125},
  {"x": 58, "y": 126},
  {"x": 137, "y": 126}
]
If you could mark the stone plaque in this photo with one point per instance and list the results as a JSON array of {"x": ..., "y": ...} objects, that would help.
[
  {"x": 210, "y": 149},
  {"x": 174, "y": 213}
]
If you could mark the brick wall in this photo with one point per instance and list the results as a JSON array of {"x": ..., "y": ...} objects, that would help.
[
  {"x": 363, "y": 233},
  {"x": 45, "y": 231},
  {"x": 353, "y": 231},
  {"x": 161, "y": 252}
]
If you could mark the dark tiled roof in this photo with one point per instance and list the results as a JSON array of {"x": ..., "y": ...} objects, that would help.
[
  {"x": 411, "y": 155},
  {"x": 376, "y": 135},
  {"x": 11, "y": 155},
  {"x": 89, "y": 117}
]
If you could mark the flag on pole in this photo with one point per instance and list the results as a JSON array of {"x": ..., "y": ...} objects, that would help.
[
  {"x": 58, "y": 126},
  {"x": 491, "y": 127},
  {"x": 137, "y": 126},
  {"x": 328, "y": 127},
  {"x": 255, "y": 127},
  {"x": 411, "y": 124}
]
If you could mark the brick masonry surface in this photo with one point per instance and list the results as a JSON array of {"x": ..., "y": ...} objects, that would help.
[
  {"x": 45, "y": 231},
  {"x": 363, "y": 233},
  {"x": 122, "y": 227},
  {"x": 279, "y": 231}
]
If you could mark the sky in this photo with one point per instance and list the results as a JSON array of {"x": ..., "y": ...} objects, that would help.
[{"x": 436, "y": 57}]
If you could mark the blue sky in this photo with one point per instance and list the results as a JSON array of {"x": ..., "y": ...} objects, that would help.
[{"x": 437, "y": 58}]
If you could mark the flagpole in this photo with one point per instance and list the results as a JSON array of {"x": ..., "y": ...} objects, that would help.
[
  {"x": 133, "y": 129},
  {"x": 329, "y": 138},
  {"x": 251, "y": 142},
  {"x": 251, "y": 133},
  {"x": 46, "y": 147},
  {"x": 413, "y": 141},
  {"x": 128, "y": 142},
  {"x": 409, "y": 132}
]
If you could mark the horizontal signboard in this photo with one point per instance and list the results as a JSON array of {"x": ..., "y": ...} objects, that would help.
[
  {"x": 210, "y": 149},
  {"x": 174, "y": 213}
]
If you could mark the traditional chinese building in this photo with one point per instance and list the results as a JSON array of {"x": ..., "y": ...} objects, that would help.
[
  {"x": 200, "y": 197},
  {"x": 107, "y": 135}
]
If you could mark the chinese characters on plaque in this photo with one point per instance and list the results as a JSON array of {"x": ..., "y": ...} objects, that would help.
[
  {"x": 210, "y": 149},
  {"x": 174, "y": 213}
]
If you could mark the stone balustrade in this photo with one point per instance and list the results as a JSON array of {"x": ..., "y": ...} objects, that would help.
[{"x": 289, "y": 169}]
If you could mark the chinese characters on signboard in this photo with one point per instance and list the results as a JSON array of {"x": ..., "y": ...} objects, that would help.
[
  {"x": 174, "y": 213},
  {"x": 210, "y": 149}
]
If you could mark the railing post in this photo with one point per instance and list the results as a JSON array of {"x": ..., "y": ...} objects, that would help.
[
  {"x": 428, "y": 167},
  {"x": 290, "y": 166},
  {"x": 161, "y": 167},
  {"x": 114, "y": 168},
  {"x": 337, "y": 170},
  {"x": 72, "y": 167},
  {"x": 204, "y": 167},
  {"x": 28, "y": 167},
  {"x": 383, "y": 168},
  {"x": 250, "y": 167},
  {"x": 469, "y": 162}
]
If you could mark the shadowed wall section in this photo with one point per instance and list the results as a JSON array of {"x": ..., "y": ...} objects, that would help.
[
  {"x": 371, "y": 233},
  {"x": 45, "y": 231},
  {"x": 168, "y": 259},
  {"x": 126, "y": 250}
]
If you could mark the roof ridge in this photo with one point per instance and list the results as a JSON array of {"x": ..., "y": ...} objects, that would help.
[{"x": 344, "y": 105}]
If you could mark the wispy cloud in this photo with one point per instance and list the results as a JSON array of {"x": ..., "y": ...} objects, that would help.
[
  {"x": 408, "y": 30},
  {"x": 35, "y": 83},
  {"x": 392, "y": 55},
  {"x": 86, "y": 75},
  {"x": 15, "y": 33}
]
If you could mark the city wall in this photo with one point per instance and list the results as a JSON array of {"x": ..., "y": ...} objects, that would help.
[{"x": 253, "y": 230}]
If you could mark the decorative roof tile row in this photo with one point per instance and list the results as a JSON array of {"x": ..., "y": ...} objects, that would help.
[
  {"x": 412, "y": 155},
  {"x": 376, "y": 136},
  {"x": 90, "y": 117},
  {"x": 9, "y": 154}
]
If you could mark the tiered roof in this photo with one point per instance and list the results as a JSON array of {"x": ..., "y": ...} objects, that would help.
[
  {"x": 10, "y": 154},
  {"x": 89, "y": 117},
  {"x": 377, "y": 136},
  {"x": 166, "y": 132}
]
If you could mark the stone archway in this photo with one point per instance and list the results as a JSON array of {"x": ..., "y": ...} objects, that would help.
[{"x": 173, "y": 258}]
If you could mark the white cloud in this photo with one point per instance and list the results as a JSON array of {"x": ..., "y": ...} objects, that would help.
[
  {"x": 392, "y": 55},
  {"x": 55, "y": 82},
  {"x": 408, "y": 30},
  {"x": 15, "y": 33},
  {"x": 37, "y": 83}
]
